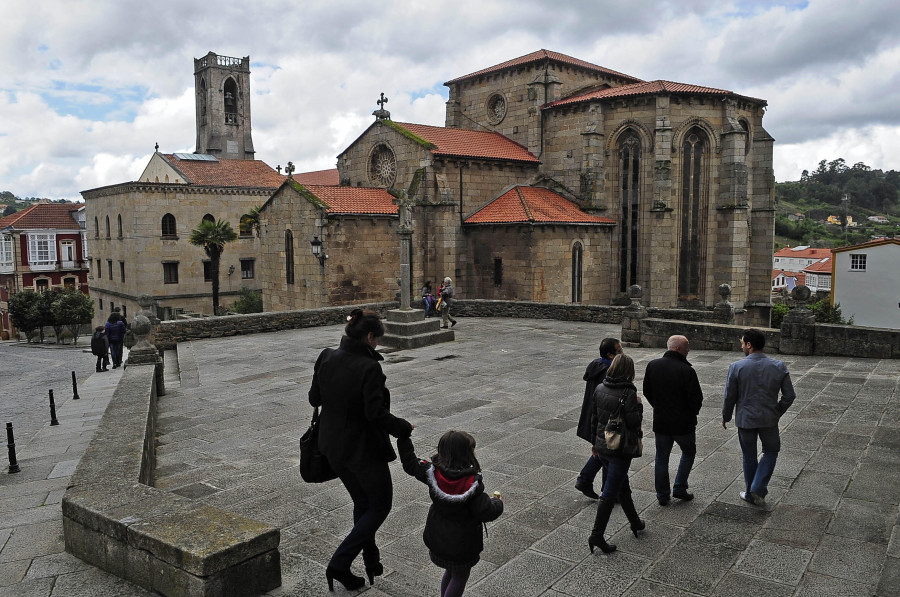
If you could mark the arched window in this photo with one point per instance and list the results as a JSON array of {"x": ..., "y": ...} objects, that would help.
[
  {"x": 245, "y": 229},
  {"x": 209, "y": 218},
  {"x": 108, "y": 235},
  {"x": 577, "y": 258},
  {"x": 692, "y": 257},
  {"x": 289, "y": 256},
  {"x": 168, "y": 225},
  {"x": 230, "y": 100},
  {"x": 629, "y": 196},
  {"x": 96, "y": 227},
  {"x": 202, "y": 100},
  {"x": 120, "y": 225}
]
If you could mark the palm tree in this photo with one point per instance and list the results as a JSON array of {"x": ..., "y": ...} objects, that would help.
[
  {"x": 250, "y": 221},
  {"x": 212, "y": 236}
]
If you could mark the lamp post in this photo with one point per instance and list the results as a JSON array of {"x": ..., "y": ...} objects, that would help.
[{"x": 317, "y": 251}]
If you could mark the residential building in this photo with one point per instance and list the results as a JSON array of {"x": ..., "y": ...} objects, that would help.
[
  {"x": 878, "y": 219},
  {"x": 795, "y": 259},
  {"x": 786, "y": 281},
  {"x": 41, "y": 247},
  {"x": 818, "y": 275},
  {"x": 866, "y": 283}
]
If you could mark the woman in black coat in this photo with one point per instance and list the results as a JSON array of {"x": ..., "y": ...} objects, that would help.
[
  {"x": 354, "y": 426},
  {"x": 617, "y": 395}
]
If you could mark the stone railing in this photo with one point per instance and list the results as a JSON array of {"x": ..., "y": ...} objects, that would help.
[{"x": 114, "y": 519}]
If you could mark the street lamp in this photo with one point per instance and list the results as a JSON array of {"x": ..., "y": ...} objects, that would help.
[{"x": 317, "y": 251}]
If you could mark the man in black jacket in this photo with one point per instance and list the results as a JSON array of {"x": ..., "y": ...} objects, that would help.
[{"x": 672, "y": 388}]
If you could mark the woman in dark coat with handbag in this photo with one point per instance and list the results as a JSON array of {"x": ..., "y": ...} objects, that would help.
[
  {"x": 354, "y": 426},
  {"x": 616, "y": 397}
]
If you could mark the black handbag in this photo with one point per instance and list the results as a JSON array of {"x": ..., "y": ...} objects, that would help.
[{"x": 314, "y": 467}]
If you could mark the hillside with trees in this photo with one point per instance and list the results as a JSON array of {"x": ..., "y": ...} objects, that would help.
[{"x": 849, "y": 194}]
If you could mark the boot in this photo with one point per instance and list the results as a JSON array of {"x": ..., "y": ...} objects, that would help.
[
  {"x": 631, "y": 513},
  {"x": 604, "y": 509}
]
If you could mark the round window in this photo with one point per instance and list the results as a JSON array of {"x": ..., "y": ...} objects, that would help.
[
  {"x": 382, "y": 166},
  {"x": 496, "y": 108}
]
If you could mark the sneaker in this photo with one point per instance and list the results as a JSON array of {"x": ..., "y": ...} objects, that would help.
[
  {"x": 682, "y": 495},
  {"x": 752, "y": 498},
  {"x": 587, "y": 489}
]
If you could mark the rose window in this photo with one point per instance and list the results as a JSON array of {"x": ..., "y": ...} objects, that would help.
[
  {"x": 382, "y": 166},
  {"x": 496, "y": 108}
]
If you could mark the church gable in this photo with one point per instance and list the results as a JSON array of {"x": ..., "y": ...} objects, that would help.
[
  {"x": 533, "y": 205},
  {"x": 158, "y": 169}
]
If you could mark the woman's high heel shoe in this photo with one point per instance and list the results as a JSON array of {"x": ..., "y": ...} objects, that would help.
[
  {"x": 637, "y": 527},
  {"x": 602, "y": 544},
  {"x": 350, "y": 581},
  {"x": 373, "y": 571}
]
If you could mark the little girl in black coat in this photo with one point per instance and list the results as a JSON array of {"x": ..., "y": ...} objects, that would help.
[{"x": 459, "y": 506}]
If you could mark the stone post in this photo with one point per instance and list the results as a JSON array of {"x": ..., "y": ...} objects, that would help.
[
  {"x": 632, "y": 317},
  {"x": 723, "y": 312},
  {"x": 798, "y": 330},
  {"x": 143, "y": 352}
]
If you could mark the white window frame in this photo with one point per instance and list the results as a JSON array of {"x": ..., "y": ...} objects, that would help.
[
  {"x": 42, "y": 251},
  {"x": 858, "y": 262},
  {"x": 7, "y": 258}
]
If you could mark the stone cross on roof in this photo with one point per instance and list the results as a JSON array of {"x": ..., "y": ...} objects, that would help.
[{"x": 381, "y": 113}]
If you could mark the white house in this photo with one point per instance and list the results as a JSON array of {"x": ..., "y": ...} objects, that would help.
[
  {"x": 794, "y": 259},
  {"x": 866, "y": 283},
  {"x": 782, "y": 280},
  {"x": 818, "y": 275},
  {"x": 878, "y": 219}
]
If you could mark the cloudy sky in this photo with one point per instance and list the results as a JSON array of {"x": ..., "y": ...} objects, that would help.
[{"x": 87, "y": 87}]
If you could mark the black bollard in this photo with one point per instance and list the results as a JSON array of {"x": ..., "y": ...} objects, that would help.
[
  {"x": 11, "y": 443},
  {"x": 75, "y": 395},
  {"x": 53, "y": 420}
]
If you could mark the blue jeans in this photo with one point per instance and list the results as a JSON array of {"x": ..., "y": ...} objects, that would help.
[
  {"x": 758, "y": 473},
  {"x": 372, "y": 493},
  {"x": 589, "y": 471},
  {"x": 115, "y": 347},
  {"x": 616, "y": 477},
  {"x": 664, "y": 443}
]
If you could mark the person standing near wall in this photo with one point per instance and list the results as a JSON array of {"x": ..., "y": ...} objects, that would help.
[
  {"x": 115, "y": 332},
  {"x": 447, "y": 296}
]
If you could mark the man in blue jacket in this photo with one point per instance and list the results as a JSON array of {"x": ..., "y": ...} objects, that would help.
[{"x": 751, "y": 391}]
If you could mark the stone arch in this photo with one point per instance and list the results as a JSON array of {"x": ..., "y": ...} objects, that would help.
[
  {"x": 690, "y": 123},
  {"x": 642, "y": 131}
]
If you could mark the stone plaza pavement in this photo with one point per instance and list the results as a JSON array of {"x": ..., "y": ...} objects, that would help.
[{"x": 235, "y": 407}]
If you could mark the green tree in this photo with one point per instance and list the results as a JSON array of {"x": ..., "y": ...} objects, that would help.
[
  {"x": 212, "y": 237},
  {"x": 46, "y": 312},
  {"x": 72, "y": 308},
  {"x": 250, "y": 301},
  {"x": 23, "y": 311}
]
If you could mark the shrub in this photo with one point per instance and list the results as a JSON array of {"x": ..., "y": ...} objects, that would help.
[
  {"x": 779, "y": 310},
  {"x": 249, "y": 302}
]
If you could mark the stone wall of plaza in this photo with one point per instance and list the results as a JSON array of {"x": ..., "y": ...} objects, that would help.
[
  {"x": 140, "y": 250},
  {"x": 654, "y": 328},
  {"x": 534, "y": 263}
]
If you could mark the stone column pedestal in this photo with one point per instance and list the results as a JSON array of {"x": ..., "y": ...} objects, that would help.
[
  {"x": 632, "y": 316},
  {"x": 798, "y": 330},
  {"x": 407, "y": 328}
]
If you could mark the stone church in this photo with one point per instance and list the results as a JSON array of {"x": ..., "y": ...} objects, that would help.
[{"x": 553, "y": 180}]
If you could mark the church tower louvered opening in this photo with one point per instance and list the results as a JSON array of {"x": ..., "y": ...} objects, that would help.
[{"x": 222, "y": 87}]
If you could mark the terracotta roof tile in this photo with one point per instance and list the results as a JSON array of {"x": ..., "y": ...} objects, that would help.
[
  {"x": 800, "y": 276},
  {"x": 474, "y": 144},
  {"x": 227, "y": 173},
  {"x": 320, "y": 177},
  {"x": 648, "y": 88},
  {"x": 533, "y": 205},
  {"x": 539, "y": 56},
  {"x": 354, "y": 200},
  {"x": 822, "y": 266},
  {"x": 803, "y": 252},
  {"x": 44, "y": 216}
]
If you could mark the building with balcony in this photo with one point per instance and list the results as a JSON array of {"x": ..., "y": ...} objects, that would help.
[{"x": 41, "y": 247}]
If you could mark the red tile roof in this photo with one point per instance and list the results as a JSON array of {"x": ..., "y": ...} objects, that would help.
[
  {"x": 800, "y": 276},
  {"x": 539, "y": 56},
  {"x": 354, "y": 200},
  {"x": 226, "y": 173},
  {"x": 533, "y": 205},
  {"x": 874, "y": 243},
  {"x": 473, "y": 144},
  {"x": 649, "y": 88},
  {"x": 328, "y": 177},
  {"x": 803, "y": 252},
  {"x": 822, "y": 266},
  {"x": 44, "y": 216}
]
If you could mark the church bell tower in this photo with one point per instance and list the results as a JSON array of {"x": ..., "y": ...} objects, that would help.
[{"x": 222, "y": 88}]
